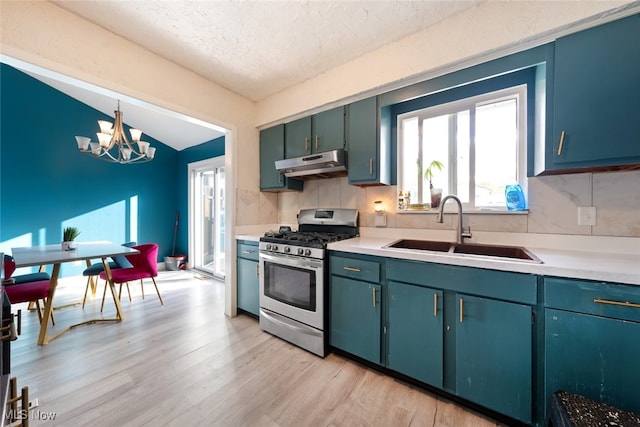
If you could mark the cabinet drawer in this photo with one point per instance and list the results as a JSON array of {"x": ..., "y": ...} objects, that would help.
[
  {"x": 248, "y": 251},
  {"x": 515, "y": 287},
  {"x": 598, "y": 298},
  {"x": 353, "y": 268}
]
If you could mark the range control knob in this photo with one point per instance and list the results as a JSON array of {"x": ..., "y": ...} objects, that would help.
[
  {"x": 307, "y": 252},
  {"x": 268, "y": 247},
  {"x": 274, "y": 247},
  {"x": 300, "y": 251},
  {"x": 287, "y": 249}
]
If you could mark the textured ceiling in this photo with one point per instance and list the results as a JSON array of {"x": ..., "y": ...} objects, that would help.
[
  {"x": 254, "y": 48},
  {"x": 258, "y": 48}
]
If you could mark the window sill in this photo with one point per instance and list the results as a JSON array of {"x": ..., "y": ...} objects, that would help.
[{"x": 473, "y": 211}]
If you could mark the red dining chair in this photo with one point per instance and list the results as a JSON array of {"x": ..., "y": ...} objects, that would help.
[
  {"x": 119, "y": 261},
  {"x": 145, "y": 265},
  {"x": 18, "y": 292}
]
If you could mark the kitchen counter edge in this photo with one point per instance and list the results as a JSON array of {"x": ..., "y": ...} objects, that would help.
[{"x": 617, "y": 268}]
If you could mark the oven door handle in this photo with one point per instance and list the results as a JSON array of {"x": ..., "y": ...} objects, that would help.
[
  {"x": 292, "y": 261},
  {"x": 281, "y": 320}
]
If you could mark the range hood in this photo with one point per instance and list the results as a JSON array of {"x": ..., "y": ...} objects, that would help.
[{"x": 319, "y": 165}]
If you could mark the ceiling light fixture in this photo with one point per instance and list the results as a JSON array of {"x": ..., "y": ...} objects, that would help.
[{"x": 113, "y": 145}]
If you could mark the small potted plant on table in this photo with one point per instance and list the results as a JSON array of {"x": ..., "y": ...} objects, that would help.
[
  {"x": 436, "y": 193},
  {"x": 69, "y": 234}
]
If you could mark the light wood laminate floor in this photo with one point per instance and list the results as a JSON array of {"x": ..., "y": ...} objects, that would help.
[{"x": 187, "y": 364}]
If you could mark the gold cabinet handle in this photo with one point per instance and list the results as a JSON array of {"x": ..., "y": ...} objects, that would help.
[
  {"x": 561, "y": 144},
  {"x": 306, "y": 144},
  {"x": 620, "y": 303},
  {"x": 461, "y": 310},
  {"x": 246, "y": 252},
  {"x": 435, "y": 305},
  {"x": 317, "y": 141},
  {"x": 370, "y": 165},
  {"x": 354, "y": 269},
  {"x": 374, "y": 296}
]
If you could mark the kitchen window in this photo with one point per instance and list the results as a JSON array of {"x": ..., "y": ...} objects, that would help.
[
  {"x": 482, "y": 130},
  {"x": 480, "y": 141}
]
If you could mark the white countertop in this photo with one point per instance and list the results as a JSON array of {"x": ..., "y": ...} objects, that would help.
[
  {"x": 604, "y": 258},
  {"x": 610, "y": 267}
]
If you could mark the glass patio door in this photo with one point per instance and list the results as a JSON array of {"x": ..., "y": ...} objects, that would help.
[{"x": 207, "y": 203}]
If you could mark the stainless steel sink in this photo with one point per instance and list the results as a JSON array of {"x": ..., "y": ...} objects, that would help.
[
  {"x": 423, "y": 245},
  {"x": 491, "y": 251}
]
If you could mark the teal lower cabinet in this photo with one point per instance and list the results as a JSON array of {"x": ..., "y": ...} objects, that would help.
[
  {"x": 355, "y": 313},
  {"x": 493, "y": 363},
  {"x": 248, "y": 277},
  {"x": 592, "y": 341},
  {"x": 415, "y": 332},
  {"x": 467, "y": 331}
]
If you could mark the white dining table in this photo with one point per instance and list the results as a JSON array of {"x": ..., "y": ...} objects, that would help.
[{"x": 54, "y": 255}]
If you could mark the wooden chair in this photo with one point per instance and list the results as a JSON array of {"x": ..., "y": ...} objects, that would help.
[{"x": 144, "y": 266}]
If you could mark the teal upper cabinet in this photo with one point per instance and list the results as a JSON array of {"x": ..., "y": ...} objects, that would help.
[
  {"x": 368, "y": 160},
  {"x": 596, "y": 98},
  {"x": 298, "y": 138},
  {"x": 314, "y": 134},
  {"x": 328, "y": 130},
  {"x": 272, "y": 149}
]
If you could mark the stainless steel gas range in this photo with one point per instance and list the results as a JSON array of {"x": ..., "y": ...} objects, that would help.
[{"x": 294, "y": 277}]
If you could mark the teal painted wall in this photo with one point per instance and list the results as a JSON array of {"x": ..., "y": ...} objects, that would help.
[{"x": 47, "y": 184}]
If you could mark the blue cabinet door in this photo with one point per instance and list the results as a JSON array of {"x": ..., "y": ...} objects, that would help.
[
  {"x": 328, "y": 130},
  {"x": 593, "y": 356},
  {"x": 365, "y": 164},
  {"x": 597, "y": 96},
  {"x": 355, "y": 317},
  {"x": 494, "y": 355},
  {"x": 298, "y": 138},
  {"x": 414, "y": 332},
  {"x": 272, "y": 149},
  {"x": 248, "y": 286}
]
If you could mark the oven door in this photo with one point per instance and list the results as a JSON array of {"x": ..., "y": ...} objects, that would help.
[{"x": 293, "y": 287}]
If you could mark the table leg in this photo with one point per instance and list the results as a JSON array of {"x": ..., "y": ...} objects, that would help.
[
  {"x": 48, "y": 306},
  {"x": 116, "y": 300}
]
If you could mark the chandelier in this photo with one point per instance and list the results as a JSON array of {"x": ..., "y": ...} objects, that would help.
[{"x": 114, "y": 146}]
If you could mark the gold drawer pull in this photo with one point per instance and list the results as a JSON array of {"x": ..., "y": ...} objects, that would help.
[
  {"x": 461, "y": 310},
  {"x": 317, "y": 141},
  {"x": 354, "y": 269},
  {"x": 247, "y": 252},
  {"x": 370, "y": 165},
  {"x": 306, "y": 144},
  {"x": 374, "y": 296},
  {"x": 620, "y": 303},
  {"x": 561, "y": 143},
  {"x": 435, "y": 304}
]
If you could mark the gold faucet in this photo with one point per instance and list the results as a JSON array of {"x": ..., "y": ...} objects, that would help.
[{"x": 462, "y": 232}]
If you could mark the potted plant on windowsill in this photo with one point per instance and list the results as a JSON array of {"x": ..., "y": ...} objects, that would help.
[
  {"x": 436, "y": 193},
  {"x": 69, "y": 234}
]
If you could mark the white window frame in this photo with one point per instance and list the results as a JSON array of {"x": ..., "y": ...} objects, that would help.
[{"x": 519, "y": 92}]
